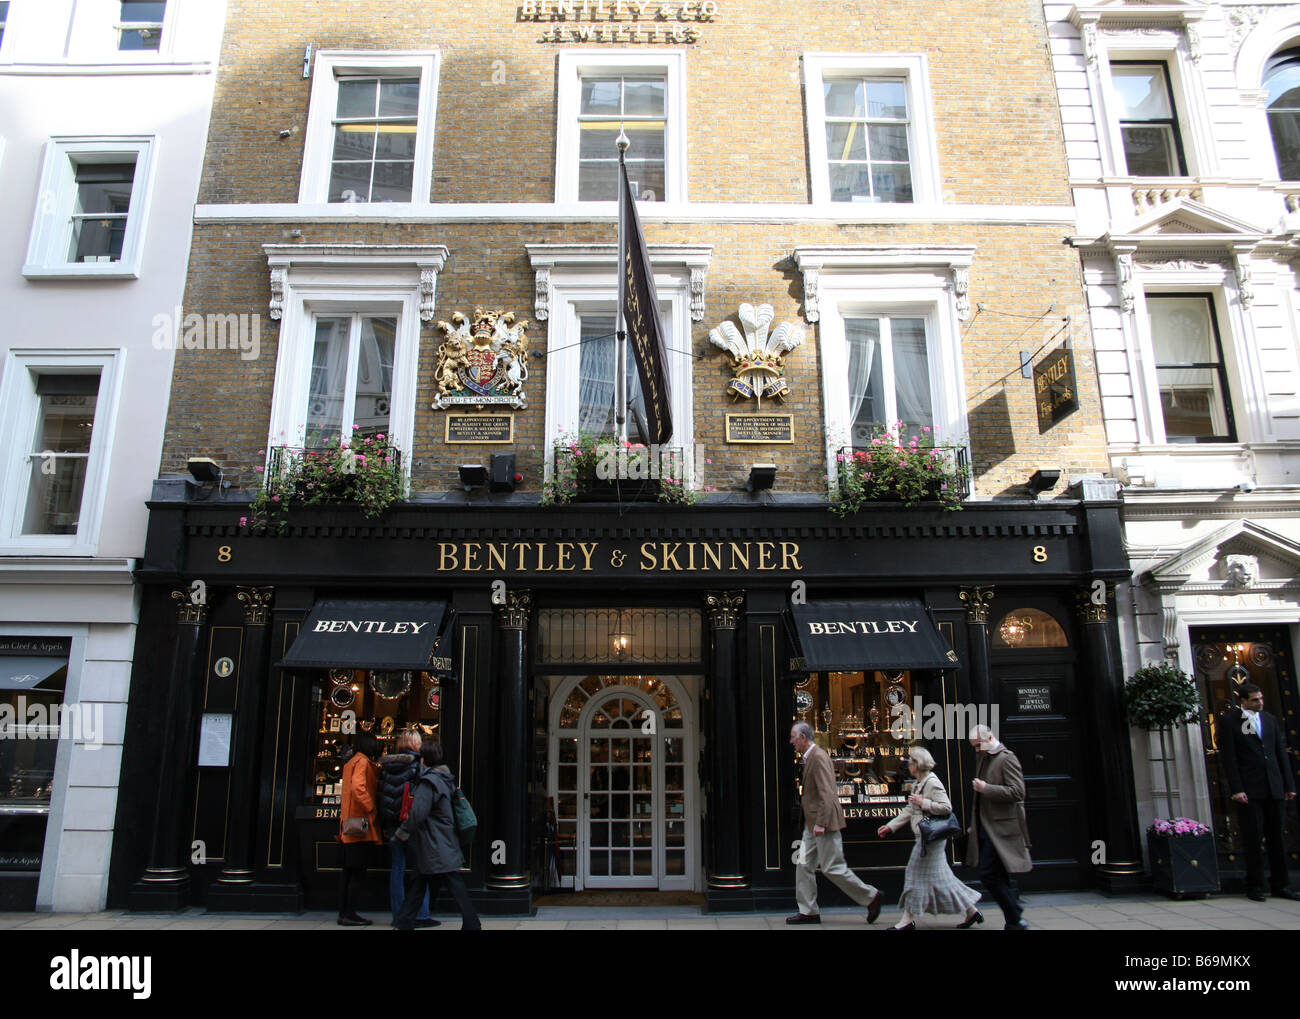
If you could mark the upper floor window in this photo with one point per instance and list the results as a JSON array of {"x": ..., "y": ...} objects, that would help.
[
  {"x": 597, "y": 383},
  {"x": 370, "y": 128},
  {"x": 351, "y": 389},
  {"x": 1282, "y": 80},
  {"x": 55, "y": 426},
  {"x": 1148, "y": 121},
  {"x": 141, "y": 24},
  {"x": 91, "y": 208},
  {"x": 600, "y": 95},
  {"x": 869, "y": 134},
  {"x": 889, "y": 376},
  {"x": 1189, "y": 368}
]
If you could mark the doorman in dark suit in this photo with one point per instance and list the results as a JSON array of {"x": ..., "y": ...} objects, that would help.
[{"x": 1253, "y": 749}]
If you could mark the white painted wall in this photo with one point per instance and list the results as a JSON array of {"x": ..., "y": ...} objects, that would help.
[{"x": 60, "y": 74}]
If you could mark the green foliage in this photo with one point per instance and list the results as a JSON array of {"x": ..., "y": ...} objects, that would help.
[
  {"x": 584, "y": 461},
  {"x": 366, "y": 471},
  {"x": 576, "y": 458},
  {"x": 891, "y": 469},
  {"x": 1161, "y": 695}
]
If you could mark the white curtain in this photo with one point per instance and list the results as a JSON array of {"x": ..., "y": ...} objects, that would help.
[
  {"x": 911, "y": 373},
  {"x": 1182, "y": 334},
  {"x": 863, "y": 337}
]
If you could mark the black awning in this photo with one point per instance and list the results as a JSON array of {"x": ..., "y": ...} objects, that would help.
[
  {"x": 873, "y": 633},
  {"x": 369, "y": 635}
]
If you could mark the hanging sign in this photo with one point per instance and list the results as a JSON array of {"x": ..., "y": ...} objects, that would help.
[{"x": 1055, "y": 392}]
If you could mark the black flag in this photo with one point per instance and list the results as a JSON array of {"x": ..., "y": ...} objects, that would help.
[{"x": 640, "y": 309}]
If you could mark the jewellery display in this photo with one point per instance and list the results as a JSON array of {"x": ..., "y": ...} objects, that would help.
[
  {"x": 390, "y": 685},
  {"x": 895, "y": 695},
  {"x": 387, "y": 725},
  {"x": 340, "y": 677},
  {"x": 342, "y": 697},
  {"x": 802, "y": 700}
]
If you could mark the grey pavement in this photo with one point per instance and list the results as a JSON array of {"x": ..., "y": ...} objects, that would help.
[{"x": 1079, "y": 911}]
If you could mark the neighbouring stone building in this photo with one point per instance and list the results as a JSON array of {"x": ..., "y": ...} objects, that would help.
[
  {"x": 867, "y": 204},
  {"x": 1181, "y": 122}
]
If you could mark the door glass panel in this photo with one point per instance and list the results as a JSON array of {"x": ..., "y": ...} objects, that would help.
[
  {"x": 643, "y": 864},
  {"x": 568, "y": 777},
  {"x": 674, "y": 777},
  {"x": 675, "y": 861},
  {"x": 672, "y": 750},
  {"x": 568, "y": 807},
  {"x": 620, "y": 806}
]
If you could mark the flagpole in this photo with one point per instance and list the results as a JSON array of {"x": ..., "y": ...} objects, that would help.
[{"x": 620, "y": 353}]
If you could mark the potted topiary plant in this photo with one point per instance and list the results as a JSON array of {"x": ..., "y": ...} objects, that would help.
[{"x": 1160, "y": 697}]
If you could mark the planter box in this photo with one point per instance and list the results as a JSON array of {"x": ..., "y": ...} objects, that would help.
[
  {"x": 617, "y": 490},
  {"x": 1184, "y": 866}
]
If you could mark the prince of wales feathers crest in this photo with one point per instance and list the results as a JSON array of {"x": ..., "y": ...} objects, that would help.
[
  {"x": 484, "y": 361},
  {"x": 757, "y": 358}
]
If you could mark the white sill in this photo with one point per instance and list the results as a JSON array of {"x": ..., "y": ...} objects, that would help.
[{"x": 75, "y": 270}]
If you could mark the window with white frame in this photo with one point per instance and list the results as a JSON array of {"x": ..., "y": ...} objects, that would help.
[
  {"x": 140, "y": 25},
  {"x": 1148, "y": 121},
  {"x": 641, "y": 95},
  {"x": 581, "y": 292},
  {"x": 870, "y": 137},
  {"x": 1282, "y": 80},
  {"x": 1189, "y": 364},
  {"x": 370, "y": 127},
  {"x": 57, "y": 411},
  {"x": 91, "y": 208},
  {"x": 349, "y": 341},
  {"x": 4, "y": 17},
  {"x": 889, "y": 376}
]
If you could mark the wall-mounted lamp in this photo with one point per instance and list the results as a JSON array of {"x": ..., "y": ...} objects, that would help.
[
  {"x": 503, "y": 475},
  {"x": 472, "y": 476},
  {"x": 621, "y": 638},
  {"x": 203, "y": 471},
  {"x": 761, "y": 477},
  {"x": 1043, "y": 479}
]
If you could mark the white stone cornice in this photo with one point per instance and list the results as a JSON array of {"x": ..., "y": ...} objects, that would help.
[
  {"x": 816, "y": 262},
  {"x": 1136, "y": 15},
  {"x": 67, "y": 570},
  {"x": 547, "y": 259},
  {"x": 422, "y": 261}
]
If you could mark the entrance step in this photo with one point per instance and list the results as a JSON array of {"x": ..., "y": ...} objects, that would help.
[{"x": 621, "y": 898}]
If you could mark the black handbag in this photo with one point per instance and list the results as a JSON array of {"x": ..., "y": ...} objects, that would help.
[{"x": 935, "y": 829}]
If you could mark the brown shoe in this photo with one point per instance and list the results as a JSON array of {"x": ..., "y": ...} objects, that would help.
[
  {"x": 873, "y": 910},
  {"x": 804, "y": 918}
]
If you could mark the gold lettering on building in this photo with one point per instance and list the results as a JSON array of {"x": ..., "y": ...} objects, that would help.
[
  {"x": 579, "y": 556},
  {"x": 618, "y": 21}
]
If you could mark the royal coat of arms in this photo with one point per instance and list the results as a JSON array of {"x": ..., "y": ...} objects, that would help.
[
  {"x": 482, "y": 362},
  {"x": 758, "y": 357}
]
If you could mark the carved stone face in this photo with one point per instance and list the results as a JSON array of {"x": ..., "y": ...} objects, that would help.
[{"x": 1241, "y": 570}]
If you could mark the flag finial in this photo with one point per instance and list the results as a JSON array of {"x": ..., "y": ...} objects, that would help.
[{"x": 622, "y": 141}]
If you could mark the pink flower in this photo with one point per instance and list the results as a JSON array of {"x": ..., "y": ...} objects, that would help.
[
  {"x": 275, "y": 498},
  {"x": 243, "y": 521},
  {"x": 259, "y": 470},
  {"x": 380, "y": 435},
  {"x": 356, "y": 428}
]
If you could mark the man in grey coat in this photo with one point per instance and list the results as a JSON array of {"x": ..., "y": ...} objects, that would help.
[
  {"x": 437, "y": 853},
  {"x": 999, "y": 833}
]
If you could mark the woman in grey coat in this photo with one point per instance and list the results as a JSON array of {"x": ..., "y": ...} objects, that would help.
[
  {"x": 930, "y": 885},
  {"x": 437, "y": 856}
]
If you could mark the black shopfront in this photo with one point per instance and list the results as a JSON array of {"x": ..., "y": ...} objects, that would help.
[{"x": 614, "y": 688}]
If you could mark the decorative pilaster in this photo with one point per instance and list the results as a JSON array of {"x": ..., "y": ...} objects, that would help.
[
  {"x": 508, "y": 869},
  {"x": 542, "y": 294},
  {"x": 811, "y": 311},
  {"x": 1102, "y": 690},
  {"x": 428, "y": 280},
  {"x": 961, "y": 290},
  {"x": 725, "y": 867},
  {"x": 278, "y": 275},
  {"x": 1245, "y": 288},
  {"x": 237, "y": 874},
  {"x": 697, "y": 293},
  {"x": 165, "y": 884},
  {"x": 977, "y": 601},
  {"x": 1124, "y": 270}
]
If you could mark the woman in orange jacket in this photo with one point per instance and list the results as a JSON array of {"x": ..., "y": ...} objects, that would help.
[{"x": 359, "y": 810}]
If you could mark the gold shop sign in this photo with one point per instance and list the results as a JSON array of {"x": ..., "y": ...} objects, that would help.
[
  {"x": 593, "y": 557},
  {"x": 619, "y": 21}
]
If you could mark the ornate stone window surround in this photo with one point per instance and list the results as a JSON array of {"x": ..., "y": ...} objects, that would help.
[
  {"x": 1277, "y": 31},
  {"x": 1159, "y": 33},
  {"x": 923, "y": 150},
  {"x": 1201, "y": 263},
  {"x": 577, "y": 278},
  {"x": 868, "y": 280},
  {"x": 319, "y": 142},
  {"x": 19, "y": 408},
  {"x": 573, "y": 65},
  {"x": 314, "y": 279}
]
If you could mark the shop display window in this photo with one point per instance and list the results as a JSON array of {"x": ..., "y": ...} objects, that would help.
[
  {"x": 31, "y": 702},
  {"x": 1027, "y": 629},
  {"x": 382, "y": 702},
  {"x": 864, "y": 721}
]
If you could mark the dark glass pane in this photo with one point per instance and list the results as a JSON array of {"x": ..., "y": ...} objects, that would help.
[
  {"x": 103, "y": 187},
  {"x": 645, "y": 140},
  {"x": 1181, "y": 330},
  {"x": 142, "y": 10},
  {"x": 892, "y": 182},
  {"x": 1149, "y": 151},
  {"x": 354, "y": 141},
  {"x": 1193, "y": 404},
  {"x": 597, "y": 181},
  {"x": 596, "y": 141},
  {"x": 95, "y": 240},
  {"x": 329, "y": 367},
  {"x": 350, "y": 182},
  {"x": 1285, "y": 126},
  {"x": 139, "y": 40},
  {"x": 54, "y": 495},
  {"x": 596, "y": 375},
  {"x": 65, "y": 425},
  {"x": 357, "y": 97},
  {"x": 866, "y": 378},
  {"x": 374, "y": 396},
  {"x": 600, "y": 95},
  {"x": 647, "y": 180},
  {"x": 888, "y": 143},
  {"x": 395, "y": 141},
  {"x": 399, "y": 97},
  {"x": 1141, "y": 91},
  {"x": 850, "y": 182},
  {"x": 392, "y": 182},
  {"x": 643, "y": 98}
]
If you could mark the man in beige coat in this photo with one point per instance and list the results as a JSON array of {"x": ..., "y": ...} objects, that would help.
[
  {"x": 822, "y": 843},
  {"x": 999, "y": 833}
]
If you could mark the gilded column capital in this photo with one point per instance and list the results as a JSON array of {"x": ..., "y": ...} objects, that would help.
[
  {"x": 513, "y": 615},
  {"x": 188, "y": 611},
  {"x": 724, "y": 608},
  {"x": 977, "y": 601},
  {"x": 256, "y": 602},
  {"x": 1091, "y": 602}
]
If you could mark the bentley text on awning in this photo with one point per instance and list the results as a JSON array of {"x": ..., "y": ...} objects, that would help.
[
  {"x": 872, "y": 633},
  {"x": 369, "y": 635}
]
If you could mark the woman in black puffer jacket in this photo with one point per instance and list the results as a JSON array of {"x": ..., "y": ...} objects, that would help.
[{"x": 395, "y": 770}]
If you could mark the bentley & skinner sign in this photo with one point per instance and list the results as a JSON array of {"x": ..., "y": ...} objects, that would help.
[{"x": 619, "y": 21}]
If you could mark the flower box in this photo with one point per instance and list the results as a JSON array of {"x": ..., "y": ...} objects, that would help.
[
  {"x": 1183, "y": 864},
  {"x": 595, "y": 468},
  {"x": 893, "y": 469}
]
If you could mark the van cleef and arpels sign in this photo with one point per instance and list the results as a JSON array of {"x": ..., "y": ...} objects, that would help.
[{"x": 619, "y": 21}]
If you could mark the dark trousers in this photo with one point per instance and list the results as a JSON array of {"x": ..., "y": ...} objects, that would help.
[
  {"x": 431, "y": 883},
  {"x": 1263, "y": 817},
  {"x": 355, "y": 857},
  {"x": 997, "y": 882}
]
